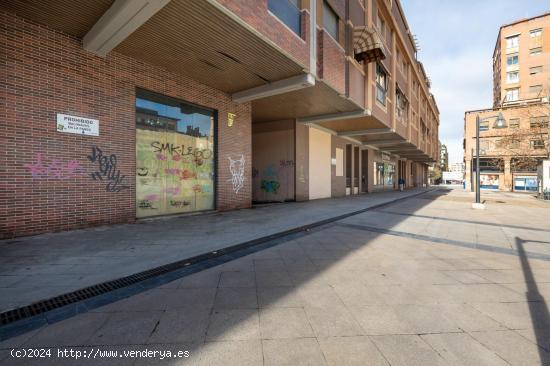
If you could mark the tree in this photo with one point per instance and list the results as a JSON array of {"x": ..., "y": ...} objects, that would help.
[{"x": 528, "y": 143}]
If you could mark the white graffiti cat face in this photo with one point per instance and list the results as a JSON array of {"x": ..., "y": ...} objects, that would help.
[{"x": 236, "y": 167}]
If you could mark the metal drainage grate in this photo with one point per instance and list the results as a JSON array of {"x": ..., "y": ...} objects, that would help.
[{"x": 57, "y": 302}]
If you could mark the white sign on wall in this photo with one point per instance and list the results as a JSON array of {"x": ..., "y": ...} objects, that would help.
[
  {"x": 452, "y": 176},
  {"x": 78, "y": 125},
  {"x": 339, "y": 162}
]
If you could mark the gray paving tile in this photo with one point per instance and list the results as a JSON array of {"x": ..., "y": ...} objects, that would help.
[
  {"x": 126, "y": 328},
  {"x": 319, "y": 295},
  {"x": 292, "y": 352},
  {"x": 512, "y": 347},
  {"x": 407, "y": 350},
  {"x": 517, "y": 315},
  {"x": 204, "y": 279},
  {"x": 284, "y": 323},
  {"x": 483, "y": 293},
  {"x": 237, "y": 279},
  {"x": 232, "y": 353},
  {"x": 403, "y": 319},
  {"x": 336, "y": 321},
  {"x": 538, "y": 336},
  {"x": 269, "y": 264},
  {"x": 74, "y": 331},
  {"x": 176, "y": 326},
  {"x": 236, "y": 298},
  {"x": 467, "y": 318},
  {"x": 233, "y": 325},
  {"x": 462, "y": 349},
  {"x": 273, "y": 278},
  {"x": 466, "y": 277},
  {"x": 351, "y": 351},
  {"x": 284, "y": 297}
]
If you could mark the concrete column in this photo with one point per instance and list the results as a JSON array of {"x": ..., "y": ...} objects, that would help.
[
  {"x": 506, "y": 185},
  {"x": 360, "y": 183},
  {"x": 352, "y": 170},
  {"x": 302, "y": 162}
]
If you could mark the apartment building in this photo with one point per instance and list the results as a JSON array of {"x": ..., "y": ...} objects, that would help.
[
  {"x": 122, "y": 110},
  {"x": 521, "y": 61},
  {"x": 443, "y": 157},
  {"x": 511, "y": 151}
]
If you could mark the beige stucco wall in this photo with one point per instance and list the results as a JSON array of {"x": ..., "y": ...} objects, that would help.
[{"x": 319, "y": 164}]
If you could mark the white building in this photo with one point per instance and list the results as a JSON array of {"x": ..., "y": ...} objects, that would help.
[{"x": 456, "y": 167}]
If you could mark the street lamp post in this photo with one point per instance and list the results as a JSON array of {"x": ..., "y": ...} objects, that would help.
[
  {"x": 499, "y": 123},
  {"x": 478, "y": 178}
]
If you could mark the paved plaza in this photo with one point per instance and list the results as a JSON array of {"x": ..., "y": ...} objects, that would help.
[
  {"x": 43, "y": 266},
  {"x": 426, "y": 281}
]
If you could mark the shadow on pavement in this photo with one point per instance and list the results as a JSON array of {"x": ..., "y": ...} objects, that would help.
[
  {"x": 539, "y": 314},
  {"x": 198, "y": 323}
]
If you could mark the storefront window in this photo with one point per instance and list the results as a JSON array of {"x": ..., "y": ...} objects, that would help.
[
  {"x": 389, "y": 174},
  {"x": 489, "y": 181},
  {"x": 526, "y": 184},
  {"x": 378, "y": 174},
  {"x": 384, "y": 174},
  {"x": 174, "y": 156}
]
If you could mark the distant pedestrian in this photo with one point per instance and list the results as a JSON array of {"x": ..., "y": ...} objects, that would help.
[{"x": 401, "y": 184}]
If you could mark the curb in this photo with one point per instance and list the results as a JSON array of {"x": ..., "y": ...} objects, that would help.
[{"x": 48, "y": 311}]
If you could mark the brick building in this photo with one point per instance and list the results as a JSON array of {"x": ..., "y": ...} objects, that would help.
[
  {"x": 510, "y": 153},
  {"x": 119, "y": 110}
]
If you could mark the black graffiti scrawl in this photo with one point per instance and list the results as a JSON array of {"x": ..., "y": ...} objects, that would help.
[{"x": 107, "y": 171}]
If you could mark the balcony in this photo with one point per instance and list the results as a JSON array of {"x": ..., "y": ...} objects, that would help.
[{"x": 367, "y": 45}]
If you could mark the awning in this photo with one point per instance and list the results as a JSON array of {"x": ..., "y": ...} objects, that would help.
[{"x": 367, "y": 44}]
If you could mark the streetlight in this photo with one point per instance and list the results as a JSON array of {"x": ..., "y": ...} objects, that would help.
[{"x": 499, "y": 123}]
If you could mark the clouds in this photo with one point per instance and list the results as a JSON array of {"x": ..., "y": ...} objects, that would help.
[{"x": 457, "y": 40}]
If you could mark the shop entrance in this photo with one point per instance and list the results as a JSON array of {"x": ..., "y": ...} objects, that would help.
[{"x": 175, "y": 162}]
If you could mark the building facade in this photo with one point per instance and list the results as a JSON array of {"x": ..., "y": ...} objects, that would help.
[
  {"x": 457, "y": 167},
  {"x": 443, "y": 157},
  {"x": 510, "y": 153},
  {"x": 155, "y": 108}
]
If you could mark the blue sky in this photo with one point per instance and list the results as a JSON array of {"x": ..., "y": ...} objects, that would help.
[{"x": 456, "y": 39}]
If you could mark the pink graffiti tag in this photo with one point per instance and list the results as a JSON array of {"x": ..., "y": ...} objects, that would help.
[
  {"x": 172, "y": 171},
  {"x": 174, "y": 191},
  {"x": 161, "y": 157},
  {"x": 151, "y": 197},
  {"x": 37, "y": 168},
  {"x": 54, "y": 168}
]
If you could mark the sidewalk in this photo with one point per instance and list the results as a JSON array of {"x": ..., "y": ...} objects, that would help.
[{"x": 40, "y": 267}]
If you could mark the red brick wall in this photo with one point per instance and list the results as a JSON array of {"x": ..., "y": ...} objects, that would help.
[
  {"x": 255, "y": 13},
  {"x": 331, "y": 62},
  {"x": 48, "y": 73}
]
